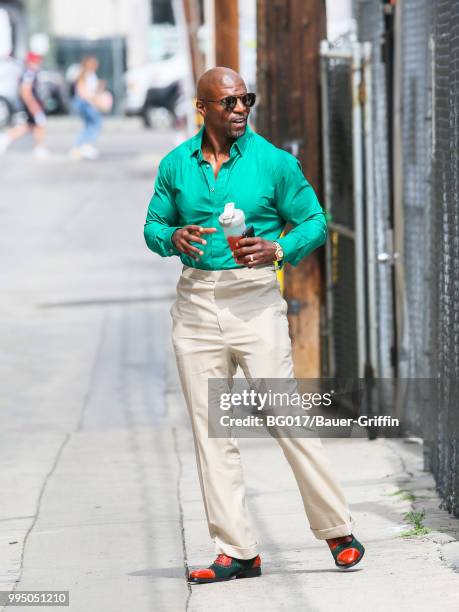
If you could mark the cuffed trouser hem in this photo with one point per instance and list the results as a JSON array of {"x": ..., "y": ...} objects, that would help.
[
  {"x": 235, "y": 551},
  {"x": 334, "y": 532}
]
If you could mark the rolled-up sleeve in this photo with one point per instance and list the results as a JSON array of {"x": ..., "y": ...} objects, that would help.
[
  {"x": 297, "y": 203},
  {"x": 162, "y": 215}
]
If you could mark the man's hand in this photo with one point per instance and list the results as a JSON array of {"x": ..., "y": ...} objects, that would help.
[
  {"x": 254, "y": 251},
  {"x": 183, "y": 237}
]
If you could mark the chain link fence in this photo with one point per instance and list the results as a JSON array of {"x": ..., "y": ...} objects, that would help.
[
  {"x": 415, "y": 151},
  {"x": 370, "y": 22},
  {"x": 412, "y": 205},
  {"x": 342, "y": 346},
  {"x": 444, "y": 446},
  {"x": 407, "y": 264},
  {"x": 416, "y": 135}
]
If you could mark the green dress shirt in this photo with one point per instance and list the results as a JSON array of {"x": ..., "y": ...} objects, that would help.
[{"x": 267, "y": 183}]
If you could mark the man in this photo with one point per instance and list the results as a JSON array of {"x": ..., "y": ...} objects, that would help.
[
  {"x": 33, "y": 107},
  {"x": 229, "y": 310}
]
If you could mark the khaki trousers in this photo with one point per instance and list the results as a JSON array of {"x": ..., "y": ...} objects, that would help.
[{"x": 222, "y": 319}]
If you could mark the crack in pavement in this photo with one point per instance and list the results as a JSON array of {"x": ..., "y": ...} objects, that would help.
[
  {"x": 58, "y": 456},
  {"x": 37, "y": 512},
  {"x": 181, "y": 516},
  {"x": 93, "y": 373}
]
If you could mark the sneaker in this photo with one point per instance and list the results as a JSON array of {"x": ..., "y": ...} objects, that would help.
[
  {"x": 4, "y": 143},
  {"x": 89, "y": 152},
  {"x": 41, "y": 152},
  {"x": 226, "y": 568}
]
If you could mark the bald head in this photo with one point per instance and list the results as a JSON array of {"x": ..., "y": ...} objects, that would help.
[
  {"x": 222, "y": 120},
  {"x": 215, "y": 80}
]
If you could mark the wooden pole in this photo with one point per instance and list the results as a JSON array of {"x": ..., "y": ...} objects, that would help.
[
  {"x": 191, "y": 10},
  {"x": 288, "y": 75},
  {"x": 227, "y": 33}
]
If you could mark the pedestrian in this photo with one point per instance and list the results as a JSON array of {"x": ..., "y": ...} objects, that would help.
[
  {"x": 90, "y": 99},
  {"x": 229, "y": 310},
  {"x": 33, "y": 108}
]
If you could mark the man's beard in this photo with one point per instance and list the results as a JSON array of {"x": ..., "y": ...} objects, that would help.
[{"x": 236, "y": 132}]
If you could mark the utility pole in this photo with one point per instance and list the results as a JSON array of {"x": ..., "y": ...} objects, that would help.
[
  {"x": 193, "y": 22},
  {"x": 227, "y": 33},
  {"x": 288, "y": 77}
]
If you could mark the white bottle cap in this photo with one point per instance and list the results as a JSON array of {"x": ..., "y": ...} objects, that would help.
[{"x": 231, "y": 215}]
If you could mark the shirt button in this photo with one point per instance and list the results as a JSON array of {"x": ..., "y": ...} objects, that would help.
[{"x": 212, "y": 189}]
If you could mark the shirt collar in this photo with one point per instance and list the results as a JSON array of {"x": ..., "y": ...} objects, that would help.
[{"x": 240, "y": 143}]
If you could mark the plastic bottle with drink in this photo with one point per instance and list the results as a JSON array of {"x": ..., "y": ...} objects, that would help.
[{"x": 233, "y": 224}]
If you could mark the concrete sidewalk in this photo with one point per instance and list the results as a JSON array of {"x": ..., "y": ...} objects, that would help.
[{"x": 383, "y": 480}]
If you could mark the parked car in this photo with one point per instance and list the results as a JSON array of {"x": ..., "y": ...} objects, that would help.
[
  {"x": 54, "y": 92},
  {"x": 157, "y": 86}
]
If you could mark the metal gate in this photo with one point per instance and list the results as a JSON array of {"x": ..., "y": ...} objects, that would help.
[
  {"x": 416, "y": 137},
  {"x": 351, "y": 328}
]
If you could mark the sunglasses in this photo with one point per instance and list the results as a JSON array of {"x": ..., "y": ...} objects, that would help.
[{"x": 229, "y": 102}]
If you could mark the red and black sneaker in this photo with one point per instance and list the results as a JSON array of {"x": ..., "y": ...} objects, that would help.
[
  {"x": 347, "y": 551},
  {"x": 227, "y": 568}
]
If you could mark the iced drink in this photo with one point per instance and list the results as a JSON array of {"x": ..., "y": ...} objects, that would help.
[{"x": 232, "y": 221}]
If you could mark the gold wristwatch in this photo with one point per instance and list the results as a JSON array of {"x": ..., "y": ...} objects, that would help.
[{"x": 279, "y": 254}]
